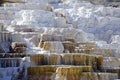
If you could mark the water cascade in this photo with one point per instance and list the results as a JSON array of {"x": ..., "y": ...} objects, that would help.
[
  {"x": 9, "y": 62},
  {"x": 59, "y": 40}
]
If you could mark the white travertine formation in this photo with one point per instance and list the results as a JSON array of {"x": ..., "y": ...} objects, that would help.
[
  {"x": 15, "y": 1},
  {"x": 111, "y": 62},
  {"x": 29, "y": 6},
  {"x": 98, "y": 20},
  {"x": 66, "y": 32},
  {"x": 16, "y": 37},
  {"x": 39, "y": 18}
]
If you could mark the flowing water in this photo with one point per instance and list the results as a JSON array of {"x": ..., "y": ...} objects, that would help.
[{"x": 59, "y": 40}]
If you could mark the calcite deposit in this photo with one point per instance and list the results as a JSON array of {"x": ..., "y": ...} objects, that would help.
[{"x": 59, "y": 40}]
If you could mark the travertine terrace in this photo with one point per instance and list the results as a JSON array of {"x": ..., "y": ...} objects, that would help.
[{"x": 59, "y": 40}]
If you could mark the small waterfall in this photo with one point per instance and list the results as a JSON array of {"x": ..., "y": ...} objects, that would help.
[
  {"x": 10, "y": 62},
  {"x": 55, "y": 59},
  {"x": 60, "y": 54},
  {"x": 5, "y": 41},
  {"x": 41, "y": 73},
  {"x": 68, "y": 59},
  {"x": 5, "y": 36}
]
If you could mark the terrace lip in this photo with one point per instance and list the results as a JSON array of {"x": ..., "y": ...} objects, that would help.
[{"x": 59, "y": 40}]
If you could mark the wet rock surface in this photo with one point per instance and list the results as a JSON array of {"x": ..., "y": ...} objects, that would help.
[{"x": 59, "y": 40}]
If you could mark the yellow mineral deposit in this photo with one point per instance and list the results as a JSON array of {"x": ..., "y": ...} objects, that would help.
[
  {"x": 48, "y": 8},
  {"x": 46, "y": 46},
  {"x": 86, "y": 76},
  {"x": 89, "y": 60},
  {"x": 88, "y": 51},
  {"x": 41, "y": 44},
  {"x": 68, "y": 46},
  {"x": 18, "y": 44},
  {"x": 80, "y": 59},
  {"x": 100, "y": 62},
  {"x": 67, "y": 59},
  {"x": 72, "y": 72},
  {"x": 52, "y": 46},
  {"x": 69, "y": 73},
  {"x": 86, "y": 68},
  {"x": 83, "y": 58},
  {"x": 37, "y": 59},
  {"x": 54, "y": 59},
  {"x": 77, "y": 59},
  {"x": 18, "y": 47},
  {"x": 41, "y": 70}
]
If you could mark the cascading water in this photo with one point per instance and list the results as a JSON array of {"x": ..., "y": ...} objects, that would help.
[
  {"x": 9, "y": 62},
  {"x": 59, "y": 40}
]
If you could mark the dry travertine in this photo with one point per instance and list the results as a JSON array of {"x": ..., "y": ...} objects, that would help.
[
  {"x": 29, "y": 6},
  {"x": 72, "y": 35},
  {"x": 111, "y": 62},
  {"x": 14, "y": 1}
]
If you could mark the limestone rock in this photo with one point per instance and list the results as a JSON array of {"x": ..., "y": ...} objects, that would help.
[
  {"x": 6, "y": 15},
  {"x": 54, "y": 59},
  {"x": 69, "y": 72},
  {"x": 37, "y": 59},
  {"x": 41, "y": 72},
  {"x": 68, "y": 47},
  {"x": 18, "y": 47},
  {"x": 16, "y": 37},
  {"x": 14, "y": 1},
  {"x": 99, "y": 76},
  {"x": 30, "y": 6},
  {"x": 52, "y": 46},
  {"x": 52, "y": 37},
  {"x": 5, "y": 36},
  {"x": 111, "y": 62}
]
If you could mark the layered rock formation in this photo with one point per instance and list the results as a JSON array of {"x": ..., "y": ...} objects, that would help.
[{"x": 59, "y": 40}]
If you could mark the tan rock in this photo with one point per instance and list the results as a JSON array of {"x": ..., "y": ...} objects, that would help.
[
  {"x": 41, "y": 70},
  {"x": 18, "y": 47},
  {"x": 54, "y": 59},
  {"x": 69, "y": 46},
  {"x": 52, "y": 46},
  {"x": 37, "y": 59},
  {"x": 69, "y": 70},
  {"x": 18, "y": 44}
]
